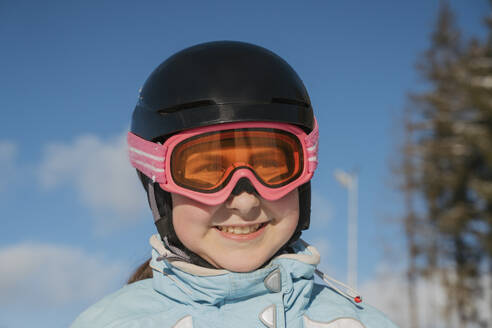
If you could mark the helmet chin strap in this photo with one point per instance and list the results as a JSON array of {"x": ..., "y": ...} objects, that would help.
[{"x": 152, "y": 201}]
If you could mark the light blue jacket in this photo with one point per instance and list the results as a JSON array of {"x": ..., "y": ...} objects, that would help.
[{"x": 182, "y": 295}]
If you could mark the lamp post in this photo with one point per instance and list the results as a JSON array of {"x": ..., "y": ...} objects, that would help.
[{"x": 350, "y": 181}]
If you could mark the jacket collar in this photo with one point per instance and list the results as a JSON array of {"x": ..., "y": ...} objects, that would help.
[{"x": 187, "y": 283}]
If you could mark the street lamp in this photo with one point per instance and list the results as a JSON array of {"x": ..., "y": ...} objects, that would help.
[{"x": 350, "y": 181}]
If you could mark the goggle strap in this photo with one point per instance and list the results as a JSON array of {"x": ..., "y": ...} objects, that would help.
[
  {"x": 312, "y": 148},
  {"x": 147, "y": 157}
]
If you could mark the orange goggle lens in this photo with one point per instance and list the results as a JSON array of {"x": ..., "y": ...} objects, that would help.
[{"x": 206, "y": 162}]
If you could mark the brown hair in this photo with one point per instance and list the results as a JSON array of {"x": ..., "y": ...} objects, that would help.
[{"x": 144, "y": 271}]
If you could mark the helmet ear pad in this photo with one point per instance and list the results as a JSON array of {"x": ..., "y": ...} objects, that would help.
[{"x": 160, "y": 201}]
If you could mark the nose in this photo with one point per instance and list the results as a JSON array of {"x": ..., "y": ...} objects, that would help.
[{"x": 245, "y": 204}]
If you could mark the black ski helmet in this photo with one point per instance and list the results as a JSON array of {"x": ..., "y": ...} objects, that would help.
[{"x": 213, "y": 83}]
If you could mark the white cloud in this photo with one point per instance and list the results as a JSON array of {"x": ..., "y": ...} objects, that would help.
[
  {"x": 44, "y": 275},
  {"x": 100, "y": 172},
  {"x": 8, "y": 155},
  {"x": 388, "y": 292}
]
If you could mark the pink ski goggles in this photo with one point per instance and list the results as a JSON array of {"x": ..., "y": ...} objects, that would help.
[{"x": 205, "y": 163}]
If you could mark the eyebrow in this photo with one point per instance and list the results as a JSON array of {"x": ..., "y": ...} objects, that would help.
[
  {"x": 254, "y": 155},
  {"x": 210, "y": 157},
  {"x": 260, "y": 154},
  {"x": 263, "y": 153}
]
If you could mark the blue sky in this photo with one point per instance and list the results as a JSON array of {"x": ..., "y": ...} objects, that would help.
[{"x": 74, "y": 219}]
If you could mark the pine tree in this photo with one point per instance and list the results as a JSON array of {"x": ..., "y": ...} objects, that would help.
[{"x": 447, "y": 169}]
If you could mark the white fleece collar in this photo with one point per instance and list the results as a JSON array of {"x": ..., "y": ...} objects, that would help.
[{"x": 309, "y": 256}]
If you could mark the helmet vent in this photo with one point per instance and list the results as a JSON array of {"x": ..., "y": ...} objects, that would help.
[
  {"x": 289, "y": 102},
  {"x": 200, "y": 103}
]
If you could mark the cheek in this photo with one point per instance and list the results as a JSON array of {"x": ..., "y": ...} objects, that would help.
[
  {"x": 286, "y": 207},
  {"x": 286, "y": 211},
  {"x": 185, "y": 208},
  {"x": 185, "y": 220},
  {"x": 190, "y": 219},
  {"x": 291, "y": 219}
]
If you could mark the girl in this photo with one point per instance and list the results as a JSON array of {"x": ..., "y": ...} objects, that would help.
[{"x": 224, "y": 140}]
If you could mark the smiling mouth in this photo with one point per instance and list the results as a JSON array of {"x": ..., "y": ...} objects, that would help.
[{"x": 244, "y": 230}]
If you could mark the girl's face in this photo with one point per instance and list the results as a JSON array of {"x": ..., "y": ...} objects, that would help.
[{"x": 240, "y": 234}]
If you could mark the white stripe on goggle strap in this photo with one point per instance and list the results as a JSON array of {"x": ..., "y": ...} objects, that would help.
[
  {"x": 312, "y": 159},
  {"x": 138, "y": 151},
  {"x": 313, "y": 147},
  {"x": 150, "y": 167}
]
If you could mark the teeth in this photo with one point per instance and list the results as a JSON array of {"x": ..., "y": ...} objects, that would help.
[{"x": 240, "y": 230}]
